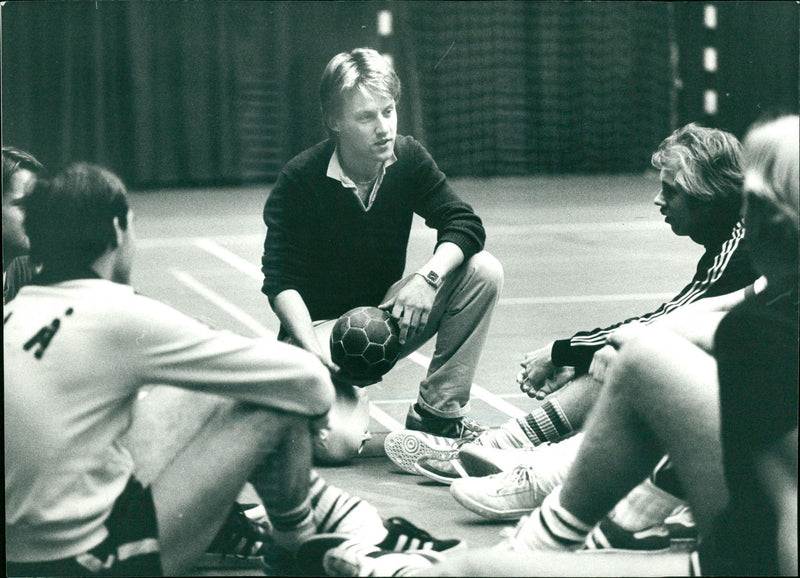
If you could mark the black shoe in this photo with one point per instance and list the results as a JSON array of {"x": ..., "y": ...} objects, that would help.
[
  {"x": 240, "y": 543},
  {"x": 402, "y": 536},
  {"x": 457, "y": 428}
]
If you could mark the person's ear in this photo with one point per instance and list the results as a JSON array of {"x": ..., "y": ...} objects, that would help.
[
  {"x": 332, "y": 123},
  {"x": 119, "y": 232}
]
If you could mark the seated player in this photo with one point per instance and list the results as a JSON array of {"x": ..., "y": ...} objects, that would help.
[
  {"x": 338, "y": 222},
  {"x": 79, "y": 344},
  {"x": 701, "y": 178},
  {"x": 728, "y": 421},
  {"x": 20, "y": 170}
]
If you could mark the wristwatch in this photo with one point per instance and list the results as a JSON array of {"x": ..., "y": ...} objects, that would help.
[{"x": 432, "y": 278}]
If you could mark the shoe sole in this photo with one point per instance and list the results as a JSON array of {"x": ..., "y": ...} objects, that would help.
[
  {"x": 485, "y": 511},
  {"x": 433, "y": 476},
  {"x": 405, "y": 447}
]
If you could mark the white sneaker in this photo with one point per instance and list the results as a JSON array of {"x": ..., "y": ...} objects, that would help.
[
  {"x": 406, "y": 446},
  {"x": 478, "y": 460},
  {"x": 504, "y": 496},
  {"x": 352, "y": 558}
]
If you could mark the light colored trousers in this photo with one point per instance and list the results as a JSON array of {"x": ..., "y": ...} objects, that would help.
[{"x": 460, "y": 318}]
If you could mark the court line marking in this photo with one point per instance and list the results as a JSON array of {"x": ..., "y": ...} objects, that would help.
[
  {"x": 243, "y": 265},
  {"x": 258, "y": 240}
]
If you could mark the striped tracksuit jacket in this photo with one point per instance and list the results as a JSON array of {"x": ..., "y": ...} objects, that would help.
[{"x": 723, "y": 268}]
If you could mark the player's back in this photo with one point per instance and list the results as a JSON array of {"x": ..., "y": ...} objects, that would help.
[{"x": 67, "y": 399}]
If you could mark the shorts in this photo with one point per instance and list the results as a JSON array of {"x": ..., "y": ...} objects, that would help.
[{"x": 130, "y": 549}]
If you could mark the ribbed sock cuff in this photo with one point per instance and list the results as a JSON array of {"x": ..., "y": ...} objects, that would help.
[
  {"x": 336, "y": 511},
  {"x": 292, "y": 528},
  {"x": 547, "y": 423},
  {"x": 551, "y": 527}
]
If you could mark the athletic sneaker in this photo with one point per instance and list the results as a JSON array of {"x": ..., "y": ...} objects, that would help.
[
  {"x": 455, "y": 428},
  {"x": 428, "y": 437},
  {"x": 503, "y": 496},
  {"x": 406, "y": 446},
  {"x": 403, "y": 536},
  {"x": 481, "y": 460},
  {"x": 478, "y": 460},
  {"x": 682, "y": 529},
  {"x": 608, "y": 535},
  {"x": 442, "y": 471},
  {"x": 242, "y": 540},
  {"x": 351, "y": 558}
]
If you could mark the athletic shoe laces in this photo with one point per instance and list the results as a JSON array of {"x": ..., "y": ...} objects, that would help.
[
  {"x": 521, "y": 478},
  {"x": 240, "y": 536},
  {"x": 469, "y": 429}
]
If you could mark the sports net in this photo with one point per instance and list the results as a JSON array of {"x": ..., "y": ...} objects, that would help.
[{"x": 525, "y": 87}]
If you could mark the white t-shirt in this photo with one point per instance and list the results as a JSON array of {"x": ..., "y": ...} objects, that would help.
[{"x": 75, "y": 355}]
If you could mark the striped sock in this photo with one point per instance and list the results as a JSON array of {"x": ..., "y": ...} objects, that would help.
[
  {"x": 290, "y": 529},
  {"x": 547, "y": 423},
  {"x": 336, "y": 511},
  {"x": 551, "y": 527}
]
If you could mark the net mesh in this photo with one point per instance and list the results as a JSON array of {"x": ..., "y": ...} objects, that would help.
[{"x": 522, "y": 87}]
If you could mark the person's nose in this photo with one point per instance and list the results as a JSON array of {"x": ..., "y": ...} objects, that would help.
[
  {"x": 659, "y": 200},
  {"x": 384, "y": 126}
]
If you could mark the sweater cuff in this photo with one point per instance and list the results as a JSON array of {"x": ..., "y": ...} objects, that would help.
[{"x": 467, "y": 243}]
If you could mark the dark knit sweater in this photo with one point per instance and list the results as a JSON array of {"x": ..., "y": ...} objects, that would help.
[{"x": 322, "y": 243}]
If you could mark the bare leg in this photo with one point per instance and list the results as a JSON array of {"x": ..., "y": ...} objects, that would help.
[
  {"x": 662, "y": 396},
  {"x": 576, "y": 398}
]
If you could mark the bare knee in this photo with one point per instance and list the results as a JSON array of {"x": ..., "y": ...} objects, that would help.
[{"x": 640, "y": 363}]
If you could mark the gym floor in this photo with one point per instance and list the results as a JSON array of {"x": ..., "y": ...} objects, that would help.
[{"x": 578, "y": 251}]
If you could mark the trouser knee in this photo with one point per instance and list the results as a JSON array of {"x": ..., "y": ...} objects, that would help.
[
  {"x": 487, "y": 270},
  {"x": 265, "y": 423}
]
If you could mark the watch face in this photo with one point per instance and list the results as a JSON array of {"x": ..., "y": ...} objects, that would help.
[{"x": 434, "y": 278}]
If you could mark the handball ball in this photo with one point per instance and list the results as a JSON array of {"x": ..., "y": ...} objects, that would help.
[{"x": 365, "y": 343}]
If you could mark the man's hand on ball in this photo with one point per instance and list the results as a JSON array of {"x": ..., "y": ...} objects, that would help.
[{"x": 411, "y": 306}]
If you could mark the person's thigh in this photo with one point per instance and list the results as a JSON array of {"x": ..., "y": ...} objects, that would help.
[
  {"x": 194, "y": 492},
  {"x": 165, "y": 420}
]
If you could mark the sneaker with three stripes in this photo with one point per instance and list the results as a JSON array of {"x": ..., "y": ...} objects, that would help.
[
  {"x": 429, "y": 437},
  {"x": 402, "y": 537}
]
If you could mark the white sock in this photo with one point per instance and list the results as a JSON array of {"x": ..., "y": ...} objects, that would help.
[
  {"x": 550, "y": 527},
  {"x": 507, "y": 436},
  {"x": 336, "y": 511},
  {"x": 292, "y": 528}
]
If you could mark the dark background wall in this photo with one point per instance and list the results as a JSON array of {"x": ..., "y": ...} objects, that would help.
[{"x": 202, "y": 92}]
